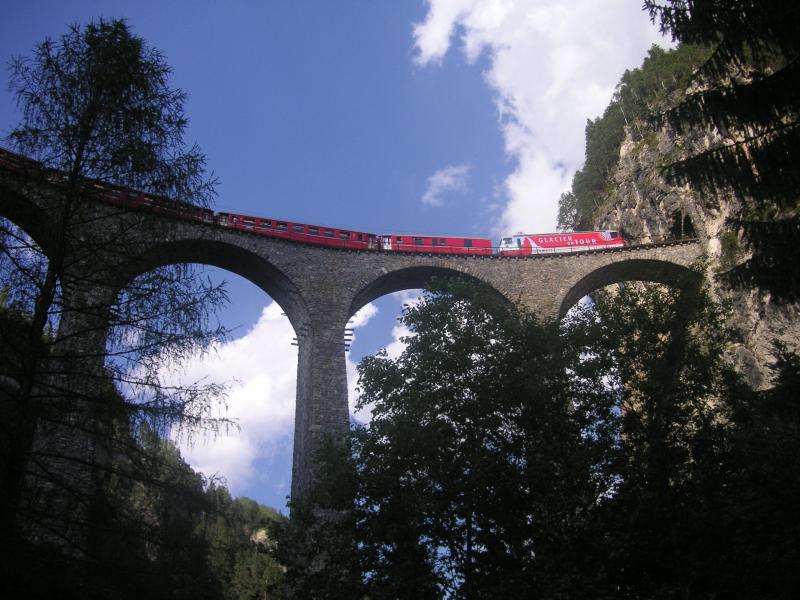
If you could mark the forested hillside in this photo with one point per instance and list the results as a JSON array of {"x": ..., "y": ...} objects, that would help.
[
  {"x": 635, "y": 179},
  {"x": 660, "y": 81},
  {"x": 160, "y": 529}
]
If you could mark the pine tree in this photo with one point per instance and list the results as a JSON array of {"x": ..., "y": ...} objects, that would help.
[
  {"x": 746, "y": 90},
  {"x": 97, "y": 109},
  {"x": 482, "y": 459}
]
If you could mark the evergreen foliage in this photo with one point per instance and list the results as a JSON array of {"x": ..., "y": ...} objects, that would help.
[
  {"x": 747, "y": 90},
  {"x": 161, "y": 531},
  {"x": 318, "y": 546},
  {"x": 638, "y": 93},
  {"x": 96, "y": 106},
  {"x": 617, "y": 455}
]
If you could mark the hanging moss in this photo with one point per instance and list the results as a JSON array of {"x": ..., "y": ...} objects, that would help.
[{"x": 731, "y": 250}]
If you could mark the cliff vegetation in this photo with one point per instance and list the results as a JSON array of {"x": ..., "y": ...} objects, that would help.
[{"x": 656, "y": 175}]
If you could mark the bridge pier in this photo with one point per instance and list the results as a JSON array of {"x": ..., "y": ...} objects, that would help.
[
  {"x": 321, "y": 411},
  {"x": 67, "y": 407}
]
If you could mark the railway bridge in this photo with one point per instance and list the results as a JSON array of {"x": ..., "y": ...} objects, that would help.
[{"x": 318, "y": 288}]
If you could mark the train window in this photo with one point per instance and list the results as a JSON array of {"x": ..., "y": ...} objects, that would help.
[
  {"x": 360, "y": 237},
  {"x": 281, "y": 226},
  {"x": 519, "y": 243},
  {"x": 313, "y": 230},
  {"x": 223, "y": 220},
  {"x": 614, "y": 235},
  {"x": 442, "y": 242},
  {"x": 297, "y": 228},
  {"x": 328, "y": 233},
  {"x": 467, "y": 243},
  {"x": 506, "y": 241},
  {"x": 344, "y": 235},
  {"x": 418, "y": 241},
  {"x": 399, "y": 240}
]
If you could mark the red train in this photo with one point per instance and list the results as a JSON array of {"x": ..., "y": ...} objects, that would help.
[{"x": 516, "y": 245}]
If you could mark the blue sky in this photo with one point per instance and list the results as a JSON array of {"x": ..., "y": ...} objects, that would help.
[{"x": 423, "y": 116}]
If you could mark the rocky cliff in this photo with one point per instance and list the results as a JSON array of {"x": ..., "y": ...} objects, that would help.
[{"x": 646, "y": 208}]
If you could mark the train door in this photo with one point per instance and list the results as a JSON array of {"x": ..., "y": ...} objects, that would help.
[
  {"x": 386, "y": 242},
  {"x": 371, "y": 242}
]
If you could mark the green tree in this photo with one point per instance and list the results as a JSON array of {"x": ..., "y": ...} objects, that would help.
[
  {"x": 97, "y": 108},
  {"x": 747, "y": 90},
  {"x": 256, "y": 577},
  {"x": 664, "y": 351},
  {"x": 318, "y": 546},
  {"x": 616, "y": 455},
  {"x": 160, "y": 513},
  {"x": 481, "y": 463},
  {"x": 245, "y": 570},
  {"x": 693, "y": 513}
]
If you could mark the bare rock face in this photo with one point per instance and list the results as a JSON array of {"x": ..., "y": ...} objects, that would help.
[
  {"x": 646, "y": 208},
  {"x": 261, "y": 541}
]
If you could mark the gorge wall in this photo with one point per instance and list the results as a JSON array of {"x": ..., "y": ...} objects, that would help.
[{"x": 646, "y": 208}]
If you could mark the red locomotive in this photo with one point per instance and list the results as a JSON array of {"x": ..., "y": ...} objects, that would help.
[
  {"x": 549, "y": 243},
  {"x": 516, "y": 245}
]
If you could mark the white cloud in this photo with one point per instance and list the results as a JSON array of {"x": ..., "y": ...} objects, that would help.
[
  {"x": 408, "y": 298},
  {"x": 452, "y": 178},
  {"x": 363, "y": 316},
  {"x": 262, "y": 365},
  {"x": 553, "y": 64},
  {"x": 360, "y": 319},
  {"x": 398, "y": 345},
  {"x": 365, "y": 414}
]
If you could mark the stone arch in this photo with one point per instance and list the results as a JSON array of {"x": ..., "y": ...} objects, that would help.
[
  {"x": 655, "y": 271},
  {"x": 409, "y": 278},
  {"x": 35, "y": 222},
  {"x": 28, "y": 217},
  {"x": 230, "y": 257}
]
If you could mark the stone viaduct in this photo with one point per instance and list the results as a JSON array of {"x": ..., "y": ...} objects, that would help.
[{"x": 321, "y": 288}]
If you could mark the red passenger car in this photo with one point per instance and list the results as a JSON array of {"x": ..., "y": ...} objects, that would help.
[
  {"x": 15, "y": 162},
  {"x": 438, "y": 245},
  {"x": 300, "y": 232},
  {"x": 151, "y": 203}
]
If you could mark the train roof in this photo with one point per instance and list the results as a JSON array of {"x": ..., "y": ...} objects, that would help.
[{"x": 560, "y": 232}]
